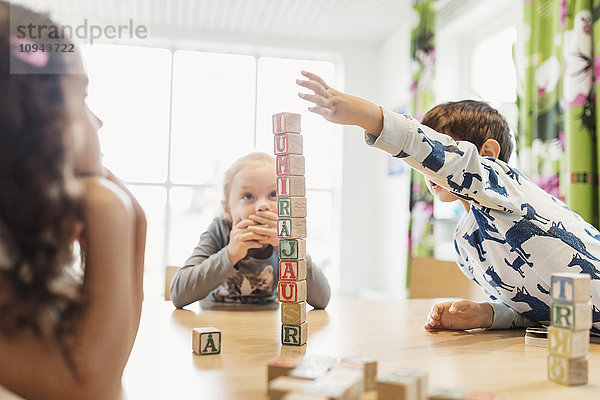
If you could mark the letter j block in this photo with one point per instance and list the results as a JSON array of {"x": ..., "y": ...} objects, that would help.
[
  {"x": 294, "y": 335},
  {"x": 568, "y": 287},
  {"x": 574, "y": 316},
  {"x": 206, "y": 341},
  {"x": 292, "y": 249}
]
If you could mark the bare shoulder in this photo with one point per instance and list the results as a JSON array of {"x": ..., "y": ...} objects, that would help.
[{"x": 103, "y": 198}]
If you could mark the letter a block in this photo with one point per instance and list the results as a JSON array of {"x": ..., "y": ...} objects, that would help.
[
  {"x": 291, "y": 207},
  {"x": 206, "y": 341},
  {"x": 293, "y": 313},
  {"x": 292, "y": 249},
  {"x": 292, "y": 270},
  {"x": 577, "y": 316},
  {"x": 291, "y": 186},
  {"x": 567, "y": 343},
  {"x": 568, "y": 371},
  {"x": 295, "y": 335},
  {"x": 292, "y": 292},
  {"x": 286, "y": 122},
  {"x": 568, "y": 287},
  {"x": 291, "y": 228},
  {"x": 290, "y": 165},
  {"x": 285, "y": 144}
]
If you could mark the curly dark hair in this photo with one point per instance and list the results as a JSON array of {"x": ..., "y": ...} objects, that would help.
[
  {"x": 472, "y": 121},
  {"x": 40, "y": 202}
]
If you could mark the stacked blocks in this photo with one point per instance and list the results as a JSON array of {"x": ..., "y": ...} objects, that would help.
[
  {"x": 206, "y": 341},
  {"x": 569, "y": 335},
  {"x": 291, "y": 227}
]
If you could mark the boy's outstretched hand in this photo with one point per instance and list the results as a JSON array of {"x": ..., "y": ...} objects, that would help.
[
  {"x": 460, "y": 315},
  {"x": 339, "y": 107}
]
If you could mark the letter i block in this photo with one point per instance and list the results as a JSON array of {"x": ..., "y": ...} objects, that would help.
[
  {"x": 291, "y": 207},
  {"x": 568, "y": 287},
  {"x": 290, "y": 165},
  {"x": 292, "y": 270},
  {"x": 291, "y": 292},
  {"x": 286, "y": 122},
  {"x": 574, "y": 316},
  {"x": 291, "y": 228},
  {"x": 285, "y": 144},
  {"x": 292, "y": 249},
  {"x": 291, "y": 186},
  {"x": 206, "y": 341},
  {"x": 567, "y": 343},
  {"x": 568, "y": 371},
  {"x": 293, "y": 313},
  {"x": 294, "y": 335}
]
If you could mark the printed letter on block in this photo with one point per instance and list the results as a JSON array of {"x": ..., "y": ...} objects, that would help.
[
  {"x": 568, "y": 371},
  {"x": 291, "y": 186},
  {"x": 291, "y": 228},
  {"x": 292, "y": 270},
  {"x": 567, "y": 343},
  {"x": 286, "y": 122},
  {"x": 570, "y": 288},
  {"x": 577, "y": 316},
  {"x": 293, "y": 313},
  {"x": 293, "y": 207},
  {"x": 292, "y": 249},
  {"x": 292, "y": 292},
  {"x": 295, "y": 335},
  {"x": 206, "y": 341},
  {"x": 288, "y": 144}
]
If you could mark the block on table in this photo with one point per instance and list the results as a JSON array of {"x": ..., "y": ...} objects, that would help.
[
  {"x": 280, "y": 366},
  {"x": 286, "y": 122},
  {"x": 282, "y": 385},
  {"x": 574, "y": 316},
  {"x": 291, "y": 291},
  {"x": 206, "y": 341},
  {"x": 446, "y": 394},
  {"x": 292, "y": 249},
  {"x": 570, "y": 287},
  {"x": 287, "y": 165},
  {"x": 291, "y": 228},
  {"x": 369, "y": 370},
  {"x": 294, "y": 335},
  {"x": 420, "y": 377},
  {"x": 285, "y": 143},
  {"x": 568, "y": 343},
  {"x": 292, "y": 270},
  {"x": 293, "y": 313},
  {"x": 567, "y": 371},
  {"x": 291, "y": 186},
  {"x": 291, "y": 207},
  {"x": 339, "y": 383},
  {"x": 313, "y": 367},
  {"x": 397, "y": 387}
]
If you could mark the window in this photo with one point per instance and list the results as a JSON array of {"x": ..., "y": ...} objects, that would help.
[{"x": 175, "y": 120}]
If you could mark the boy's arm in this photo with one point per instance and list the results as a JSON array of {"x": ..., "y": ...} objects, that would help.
[
  {"x": 507, "y": 318},
  {"x": 318, "y": 291}
]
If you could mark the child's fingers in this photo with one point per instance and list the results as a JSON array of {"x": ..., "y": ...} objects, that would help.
[
  {"x": 248, "y": 236},
  {"x": 263, "y": 230},
  {"x": 245, "y": 223},
  {"x": 322, "y": 111},
  {"x": 263, "y": 221},
  {"x": 316, "y": 87},
  {"x": 315, "y": 77},
  {"x": 459, "y": 306}
]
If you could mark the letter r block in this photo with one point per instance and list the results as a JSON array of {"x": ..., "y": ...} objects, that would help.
[
  {"x": 285, "y": 143},
  {"x": 574, "y": 316},
  {"x": 291, "y": 207},
  {"x": 286, "y": 122},
  {"x": 294, "y": 335},
  {"x": 290, "y": 165},
  {"x": 292, "y": 270},
  {"x": 567, "y": 343},
  {"x": 293, "y": 313},
  {"x": 291, "y": 186},
  {"x": 568, "y": 371},
  {"x": 568, "y": 287},
  {"x": 206, "y": 341},
  {"x": 291, "y": 291}
]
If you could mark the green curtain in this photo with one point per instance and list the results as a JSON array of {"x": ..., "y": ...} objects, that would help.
[
  {"x": 557, "y": 124},
  {"x": 420, "y": 235}
]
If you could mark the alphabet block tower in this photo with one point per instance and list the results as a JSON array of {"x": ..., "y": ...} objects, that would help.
[
  {"x": 291, "y": 227},
  {"x": 569, "y": 334}
]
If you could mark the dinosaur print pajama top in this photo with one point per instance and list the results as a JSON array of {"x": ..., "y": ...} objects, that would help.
[{"x": 515, "y": 235}]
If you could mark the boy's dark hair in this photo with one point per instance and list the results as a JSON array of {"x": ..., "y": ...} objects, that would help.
[{"x": 472, "y": 121}]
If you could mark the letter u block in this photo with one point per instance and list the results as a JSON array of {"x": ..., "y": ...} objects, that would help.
[
  {"x": 290, "y": 165},
  {"x": 293, "y": 313},
  {"x": 206, "y": 341},
  {"x": 291, "y": 186},
  {"x": 567, "y": 287},
  {"x": 291, "y": 207},
  {"x": 291, "y": 292},
  {"x": 294, "y": 335},
  {"x": 292, "y": 249},
  {"x": 291, "y": 228},
  {"x": 286, "y": 122},
  {"x": 567, "y": 343},
  {"x": 292, "y": 270},
  {"x": 285, "y": 143},
  {"x": 568, "y": 371},
  {"x": 574, "y": 316}
]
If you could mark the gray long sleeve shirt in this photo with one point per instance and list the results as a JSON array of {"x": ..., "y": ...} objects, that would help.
[{"x": 208, "y": 273}]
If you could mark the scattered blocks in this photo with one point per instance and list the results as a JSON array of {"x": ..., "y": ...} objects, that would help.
[
  {"x": 369, "y": 370},
  {"x": 294, "y": 335},
  {"x": 293, "y": 313},
  {"x": 280, "y": 366},
  {"x": 313, "y": 367},
  {"x": 206, "y": 341},
  {"x": 403, "y": 383},
  {"x": 282, "y": 385},
  {"x": 286, "y": 122},
  {"x": 290, "y": 165}
]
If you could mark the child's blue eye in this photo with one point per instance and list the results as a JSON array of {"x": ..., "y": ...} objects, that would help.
[
  {"x": 273, "y": 194},
  {"x": 247, "y": 196}
]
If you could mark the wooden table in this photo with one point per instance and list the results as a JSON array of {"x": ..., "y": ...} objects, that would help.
[{"x": 162, "y": 365}]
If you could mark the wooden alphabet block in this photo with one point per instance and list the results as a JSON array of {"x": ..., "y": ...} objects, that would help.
[
  {"x": 569, "y": 287},
  {"x": 567, "y": 343},
  {"x": 291, "y": 228},
  {"x": 313, "y": 367},
  {"x": 420, "y": 377},
  {"x": 292, "y": 270},
  {"x": 290, "y": 165},
  {"x": 291, "y": 292},
  {"x": 286, "y": 122},
  {"x": 339, "y": 383},
  {"x": 282, "y": 385},
  {"x": 293, "y": 313},
  {"x": 291, "y": 186},
  {"x": 397, "y": 387},
  {"x": 369, "y": 370},
  {"x": 574, "y": 316},
  {"x": 567, "y": 371},
  {"x": 294, "y": 335},
  {"x": 280, "y": 366},
  {"x": 206, "y": 341},
  {"x": 286, "y": 143},
  {"x": 292, "y": 249},
  {"x": 293, "y": 207}
]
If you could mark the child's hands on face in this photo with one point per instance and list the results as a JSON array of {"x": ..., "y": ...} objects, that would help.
[
  {"x": 266, "y": 225},
  {"x": 242, "y": 239},
  {"x": 460, "y": 315}
]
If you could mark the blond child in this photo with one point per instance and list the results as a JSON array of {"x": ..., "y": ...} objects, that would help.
[{"x": 236, "y": 258}]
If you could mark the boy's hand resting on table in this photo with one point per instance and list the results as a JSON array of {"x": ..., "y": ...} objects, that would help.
[{"x": 460, "y": 315}]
